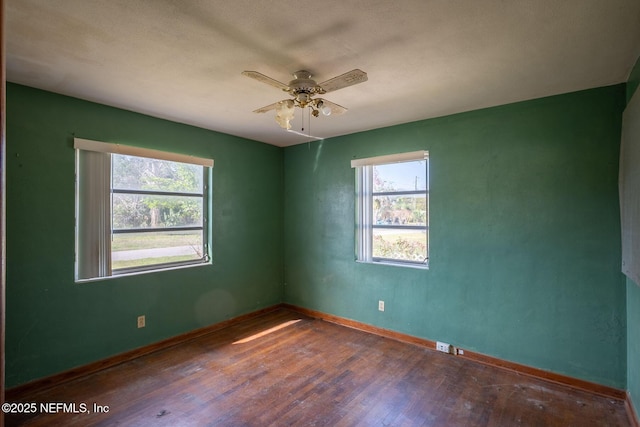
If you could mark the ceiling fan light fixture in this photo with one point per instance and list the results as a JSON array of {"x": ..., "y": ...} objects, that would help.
[
  {"x": 303, "y": 98},
  {"x": 284, "y": 113},
  {"x": 325, "y": 109}
]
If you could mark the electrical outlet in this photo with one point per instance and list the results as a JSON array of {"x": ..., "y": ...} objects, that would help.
[
  {"x": 443, "y": 347},
  {"x": 460, "y": 351},
  {"x": 381, "y": 305},
  {"x": 141, "y": 321}
]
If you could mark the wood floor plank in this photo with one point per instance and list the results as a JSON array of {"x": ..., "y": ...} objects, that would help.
[{"x": 285, "y": 369}]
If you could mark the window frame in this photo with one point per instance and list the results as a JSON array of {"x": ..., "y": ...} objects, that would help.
[
  {"x": 364, "y": 221},
  {"x": 94, "y": 233}
]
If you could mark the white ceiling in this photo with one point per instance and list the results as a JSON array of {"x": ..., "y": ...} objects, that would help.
[{"x": 181, "y": 60}]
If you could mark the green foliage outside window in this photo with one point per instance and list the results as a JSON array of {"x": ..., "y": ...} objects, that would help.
[{"x": 155, "y": 211}]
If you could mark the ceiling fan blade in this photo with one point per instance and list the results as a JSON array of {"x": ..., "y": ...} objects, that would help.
[
  {"x": 269, "y": 107},
  {"x": 350, "y": 78},
  {"x": 265, "y": 79},
  {"x": 335, "y": 108}
]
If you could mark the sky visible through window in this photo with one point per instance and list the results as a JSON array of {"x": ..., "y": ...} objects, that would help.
[{"x": 405, "y": 176}]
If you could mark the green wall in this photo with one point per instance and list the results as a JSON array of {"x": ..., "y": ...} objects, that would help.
[
  {"x": 633, "y": 295},
  {"x": 525, "y": 234},
  {"x": 54, "y": 324}
]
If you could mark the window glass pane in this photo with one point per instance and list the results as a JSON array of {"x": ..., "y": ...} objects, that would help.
[
  {"x": 399, "y": 244},
  {"x": 410, "y": 209},
  {"x": 147, "y": 248},
  {"x": 151, "y": 211},
  {"x": 139, "y": 173},
  {"x": 405, "y": 176}
]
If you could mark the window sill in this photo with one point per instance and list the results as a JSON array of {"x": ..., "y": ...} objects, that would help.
[
  {"x": 137, "y": 273},
  {"x": 396, "y": 264}
]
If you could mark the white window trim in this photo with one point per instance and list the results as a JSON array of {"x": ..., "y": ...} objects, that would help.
[
  {"x": 391, "y": 158},
  {"x": 364, "y": 209},
  {"x": 106, "y": 147}
]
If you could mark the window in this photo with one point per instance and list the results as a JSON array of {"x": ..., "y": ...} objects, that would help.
[
  {"x": 138, "y": 209},
  {"x": 393, "y": 209}
]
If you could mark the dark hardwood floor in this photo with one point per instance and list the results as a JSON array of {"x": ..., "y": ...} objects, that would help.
[{"x": 284, "y": 369}]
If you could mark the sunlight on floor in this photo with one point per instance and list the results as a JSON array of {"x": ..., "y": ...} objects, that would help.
[{"x": 266, "y": 332}]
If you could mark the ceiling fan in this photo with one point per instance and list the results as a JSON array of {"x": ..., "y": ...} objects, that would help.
[{"x": 303, "y": 89}]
